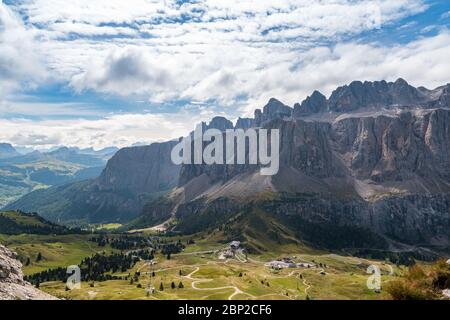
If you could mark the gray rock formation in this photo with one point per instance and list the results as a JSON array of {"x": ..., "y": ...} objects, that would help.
[
  {"x": 389, "y": 170},
  {"x": 140, "y": 170},
  {"x": 375, "y": 95},
  {"x": 369, "y": 94},
  {"x": 12, "y": 285},
  {"x": 244, "y": 123},
  {"x": 220, "y": 123},
  {"x": 274, "y": 109},
  {"x": 315, "y": 103},
  {"x": 374, "y": 156}
]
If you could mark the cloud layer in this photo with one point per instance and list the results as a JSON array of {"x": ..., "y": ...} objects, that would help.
[{"x": 200, "y": 55}]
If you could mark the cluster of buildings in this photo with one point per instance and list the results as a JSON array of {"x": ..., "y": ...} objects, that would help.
[
  {"x": 230, "y": 251},
  {"x": 288, "y": 262}
]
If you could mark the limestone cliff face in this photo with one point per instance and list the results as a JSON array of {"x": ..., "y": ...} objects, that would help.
[
  {"x": 408, "y": 147},
  {"x": 315, "y": 103},
  {"x": 377, "y": 94},
  {"x": 140, "y": 170},
  {"x": 380, "y": 162},
  {"x": 12, "y": 285},
  {"x": 369, "y": 155},
  {"x": 374, "y": 154},
  {"x": 274, "y": 109}
]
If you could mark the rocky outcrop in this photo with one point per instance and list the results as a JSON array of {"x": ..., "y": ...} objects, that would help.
[
  {"x": 376, "y": 95},
  {"x": 274, "y": 109},
  {"x": 12, "y": 285},
  {"x": 139, "y": 170},
  {"x": 315, "y": 103},
  {"x": 244, "y": 123},
  {"x": 220, "y": 123},
  {"x": 408, "y": 147}
]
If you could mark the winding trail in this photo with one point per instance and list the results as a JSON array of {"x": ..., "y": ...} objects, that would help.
[{"x": 195, "y": 281}]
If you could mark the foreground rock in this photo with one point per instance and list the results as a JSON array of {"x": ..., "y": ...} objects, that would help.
[{"x": 12, "y": 285}]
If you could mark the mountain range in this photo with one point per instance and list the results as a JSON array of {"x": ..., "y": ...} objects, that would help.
[
  {"x": 367, "y": 168},
  {"x": 23, "y": 173}
]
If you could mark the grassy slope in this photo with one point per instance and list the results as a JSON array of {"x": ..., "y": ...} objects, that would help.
[
  {"x": 57, "y": 251},
  {"x": 13, "y": 222},
  {"x": 24, "y": 219},
  {"x": 17, "y": 179},
  {"x": 345, "y": 279}
]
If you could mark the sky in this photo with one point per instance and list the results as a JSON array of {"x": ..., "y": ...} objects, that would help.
[{"x": 112, "y": 72}]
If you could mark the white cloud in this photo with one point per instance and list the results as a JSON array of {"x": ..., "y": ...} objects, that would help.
[
  {"x": 235, "y": 53},
  {"x": 119, "y": 130},
  {"x": 19, "y": 65},
  {"x": 228, "y": 73}
]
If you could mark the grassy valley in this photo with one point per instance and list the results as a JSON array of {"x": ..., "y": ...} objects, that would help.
[
  {"x": 197, "y": 266},
  {"x": 22, "y": 174}
]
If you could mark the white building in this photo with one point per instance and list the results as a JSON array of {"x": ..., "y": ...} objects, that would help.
[
  {"x": 235, "y": 244},
  {"x": 278, "y": 265}
]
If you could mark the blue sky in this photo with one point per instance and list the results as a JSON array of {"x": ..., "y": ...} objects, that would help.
[{"x": 112, "y": 72}]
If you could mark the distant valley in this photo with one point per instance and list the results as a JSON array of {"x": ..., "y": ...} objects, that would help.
[{"x": 24, "y": 173}]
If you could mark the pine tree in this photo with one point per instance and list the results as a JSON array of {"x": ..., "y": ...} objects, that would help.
[
  {"x": 172, "y": 285},
  {"x": 28, "y": 262},
  {"x": 39, "y": 257},
  {"x": 180, "y": 285},
  {"x": 161, "y": 287}
]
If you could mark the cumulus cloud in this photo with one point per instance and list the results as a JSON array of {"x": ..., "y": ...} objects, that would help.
[
  {"x": 247, "y": 77},
  {"x": 249, "y": 17},
  {"x": 125, "y": 72},
  {"x": 230, "y": 53},
  {"x": 119, "y": 130},
  {"x": 19, "y": 65}
]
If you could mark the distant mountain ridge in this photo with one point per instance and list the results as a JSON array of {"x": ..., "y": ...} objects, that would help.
[
  {"x": 371, "y": 159},
  {"x": 7, "y": 151},
  {"x": 23, "y": 173},
  {"x": 131, "y": 178}
]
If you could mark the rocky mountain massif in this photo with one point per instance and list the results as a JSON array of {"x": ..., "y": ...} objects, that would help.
[
  {"x": 12, "y": 285},
  {"x": 368, "y": 167}
]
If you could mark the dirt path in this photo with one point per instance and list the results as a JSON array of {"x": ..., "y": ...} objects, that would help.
[{"x": 196, "y": 281}]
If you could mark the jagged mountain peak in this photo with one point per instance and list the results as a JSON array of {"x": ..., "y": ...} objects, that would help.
[
  {"x": 314, "y": 103},
  {"x": 272, "y": 110},
  {"x": 275, "y": 106},
  {"x": 373, "y": 94},
  {"x": 220, "y": 123}
]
